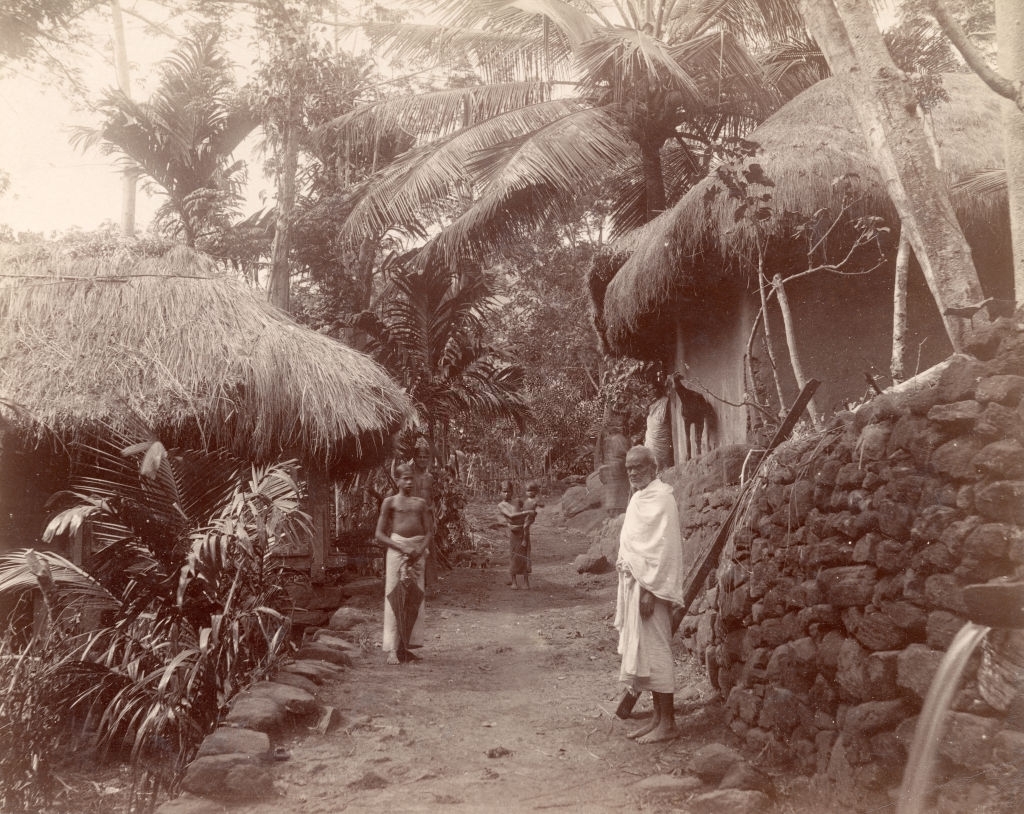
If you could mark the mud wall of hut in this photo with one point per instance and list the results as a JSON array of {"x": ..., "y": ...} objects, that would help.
[{"x": 841, "y": 587}]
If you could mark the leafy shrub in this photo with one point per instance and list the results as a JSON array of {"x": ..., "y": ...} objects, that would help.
[
  {"x": 178, "y": 605},
  {"x": 451, "y": 531},
  {"x": 29, "y": 731}
]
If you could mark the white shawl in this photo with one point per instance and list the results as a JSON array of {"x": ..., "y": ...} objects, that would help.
[{"x": 650, "y": 546}]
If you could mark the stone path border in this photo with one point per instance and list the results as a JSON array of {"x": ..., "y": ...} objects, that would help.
[{"x": 236, "y": 762}]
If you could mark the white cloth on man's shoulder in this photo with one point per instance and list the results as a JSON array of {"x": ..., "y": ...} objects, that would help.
[
  {"x": 650, "y": 543},
  {"x": 650, "y": 557}
]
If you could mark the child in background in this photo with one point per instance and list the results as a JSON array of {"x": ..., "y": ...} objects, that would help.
[
  {"x": 516, "y": 518},
  {"x": 531, "y": 504}
]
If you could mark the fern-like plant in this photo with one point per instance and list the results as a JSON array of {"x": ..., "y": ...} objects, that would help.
[{"x": 176, "y": 606}]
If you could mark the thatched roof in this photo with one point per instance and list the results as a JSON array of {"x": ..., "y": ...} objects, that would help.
[
  {"x": 93, "y": 343},
  {"x": 689, "y": 250}
]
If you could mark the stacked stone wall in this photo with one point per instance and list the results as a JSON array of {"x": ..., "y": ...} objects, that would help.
[{"x": 842, "y": 584}]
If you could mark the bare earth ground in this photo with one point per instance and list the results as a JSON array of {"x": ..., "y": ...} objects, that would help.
[{"x": 510, "y": 708}]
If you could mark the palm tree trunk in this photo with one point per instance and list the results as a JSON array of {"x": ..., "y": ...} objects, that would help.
[
  {"x": 898, "y": 365},
  {"x": 879, "y": 92},
  {"x": 129, "y": 177},
  {"x": 654, "y": 179},
  {"x": 280, "y": 273}
]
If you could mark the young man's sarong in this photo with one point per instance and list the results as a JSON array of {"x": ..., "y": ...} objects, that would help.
[
  {"x": 519, "y": 550},
  {"x": 397, "y": 569}
]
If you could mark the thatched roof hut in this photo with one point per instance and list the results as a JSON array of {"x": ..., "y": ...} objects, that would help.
[
  {"x": 93, "y": 343},
  {"x": 691, "y": 249}
]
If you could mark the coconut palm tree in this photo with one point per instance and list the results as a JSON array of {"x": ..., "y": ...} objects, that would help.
[
  {"x": 182, "y": 138},
  {"x": 573, "y": 99},
  {"x": 429, "y": 331}
]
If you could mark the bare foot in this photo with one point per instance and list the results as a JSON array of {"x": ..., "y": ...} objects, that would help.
[
  {"x": 662, "y": 732},
  {"x": 407, "y": 655},
  {"x": 392, "y": 657},
  {"x": 643, "y": 730},
  {"x": 515, "y": 587}
]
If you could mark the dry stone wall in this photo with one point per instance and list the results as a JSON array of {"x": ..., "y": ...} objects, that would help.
[{"x": 841, "y": 589}]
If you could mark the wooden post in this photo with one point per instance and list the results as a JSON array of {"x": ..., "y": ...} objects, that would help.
[{"x": 319, "y": 488}]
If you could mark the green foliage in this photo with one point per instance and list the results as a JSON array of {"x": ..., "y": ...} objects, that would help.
[
  {"x": 29, "y": 730},
  {"x": 178, "y": 605},
  {"x": 182, "y": 138},
  {"x": 451, "y": 530},
  {"x": 429, "y": 330},
  {"x": 544, "y": 321},
  {"x": 41, "y": 32},
  {"x": 570, "y": 102}
]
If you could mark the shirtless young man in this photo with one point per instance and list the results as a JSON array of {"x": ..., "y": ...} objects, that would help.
[{"x": 405, "y": 527}]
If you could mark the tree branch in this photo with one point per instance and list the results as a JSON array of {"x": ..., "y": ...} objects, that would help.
[{"x": 975, "y": 59}]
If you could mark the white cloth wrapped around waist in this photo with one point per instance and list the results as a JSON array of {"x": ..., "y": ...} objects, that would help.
[{"x": 417, "y": 544}]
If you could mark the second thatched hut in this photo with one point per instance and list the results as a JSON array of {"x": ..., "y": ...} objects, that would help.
[{"x": 688, "y": 294}]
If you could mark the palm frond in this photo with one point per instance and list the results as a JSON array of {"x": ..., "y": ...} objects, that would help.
[
  {"x": 436, "y": 113},
  {"x": 627, "y": 59},
  {"x": 521, "y": 15},
  {"x": 79, "y": 593},
  {"x": 758, "y": 21},
  {"x": 982, "y": 183},
  {"x": 405, "y": 192},
  {"x": 794, "y": 65},
  {"x": 512, "y": 52},
  {"x": 561, "y": 157}
]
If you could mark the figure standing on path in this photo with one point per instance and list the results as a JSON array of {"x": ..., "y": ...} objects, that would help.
[
  {"x": 517, "y": 519},
  {"x": 405, "y": 527},
  {"x": 423, "y": 487},
  {"x": 531, "y": 504},
  {"x": 650, "y": 566}
]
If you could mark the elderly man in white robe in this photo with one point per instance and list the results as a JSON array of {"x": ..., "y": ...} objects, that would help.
[{"x": 650, "y": 566}]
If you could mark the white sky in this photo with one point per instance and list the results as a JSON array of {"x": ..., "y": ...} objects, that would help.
[{"x": 56, "y": 187}]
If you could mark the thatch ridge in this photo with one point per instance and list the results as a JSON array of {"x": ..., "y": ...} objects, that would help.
[
  {"x": 88, "y": 343},
  {"x": 814, "y": 139}
]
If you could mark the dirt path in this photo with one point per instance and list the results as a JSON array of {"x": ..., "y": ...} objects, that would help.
[{"x": 509, "y": 709}]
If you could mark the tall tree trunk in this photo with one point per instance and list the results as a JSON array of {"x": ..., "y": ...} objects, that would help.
[
  {"x": 280, "y": 272},
  {"x": 1010, "y": 42},
  {"x": 898, "y": 365},
  {"x": 762, "y": 286},
  {"x": 794, "y": 353},
  {"x": 850, "y": 39},
  {"x": 654, "y": 178},
  {"x": 129, "y": 177}
]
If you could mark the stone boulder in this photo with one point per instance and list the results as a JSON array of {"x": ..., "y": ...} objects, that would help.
[
  {"x": 292, "y": 700},
  {"x": 226, "y": 740},
  {"x": 587, "y": 521},
  {"x": 322, "y": 652},
  {"x": 347, "y": 618},
  {"x": 713, "y": 762},
  {"x": 591, "y": 563},
  {"x": 577, "y": 499},
  {"x": 730, "y": 801},
  {"x": 237, "y": 777}
]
